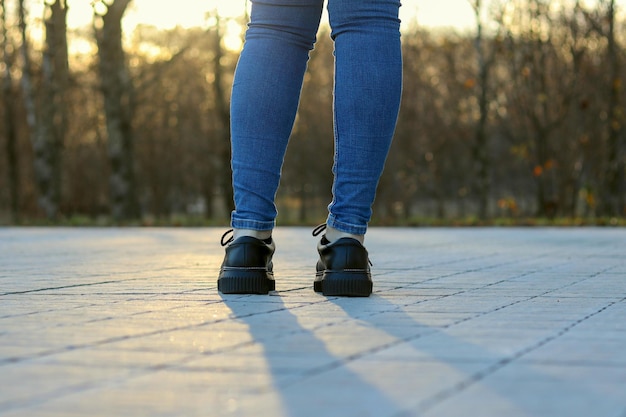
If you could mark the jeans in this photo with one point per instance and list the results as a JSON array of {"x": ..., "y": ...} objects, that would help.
[{"x": 266, "y": 93}]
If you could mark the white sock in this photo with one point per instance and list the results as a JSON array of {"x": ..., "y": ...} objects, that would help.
[
  {"x": 259, "y": 234},
  {"x": 333, "y": 234}
]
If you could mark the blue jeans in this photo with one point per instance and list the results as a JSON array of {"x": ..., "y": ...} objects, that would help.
[{"x": 266, "y": 93}]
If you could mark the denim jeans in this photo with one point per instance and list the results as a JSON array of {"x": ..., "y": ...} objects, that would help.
[{"x": 266, "y": 93}]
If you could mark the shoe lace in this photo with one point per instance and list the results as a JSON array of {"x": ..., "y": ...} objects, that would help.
[
  {"x": 319, "y": 229},
  {"x": 229, "y": 238}
]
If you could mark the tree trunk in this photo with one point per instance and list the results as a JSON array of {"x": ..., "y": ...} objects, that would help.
[
  {"x": 47, "y": 122},
  {"x": 8, "y": 100},
  {"x": 223, "y": 127},
  {"x": 613, "y": 195},
  {"x": 117, "y": 90},
  {"x": 53, "y": 122},
  {"x": 480, "y": 149}
]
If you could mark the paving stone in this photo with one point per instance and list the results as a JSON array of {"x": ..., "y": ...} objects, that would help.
[
  {"x": 537, "y": 389},
  {"x": 477, "y": 321}
]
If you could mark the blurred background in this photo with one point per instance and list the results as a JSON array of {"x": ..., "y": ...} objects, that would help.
[{"x": 117, "y": 112}]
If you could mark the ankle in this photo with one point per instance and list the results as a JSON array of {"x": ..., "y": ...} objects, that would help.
[
  {"x": 333, "y": 235},
  {"x": 259, "y": 234}
]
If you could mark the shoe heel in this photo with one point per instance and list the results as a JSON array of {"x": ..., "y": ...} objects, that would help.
[
  {"x": 344, "y": 283},
  {"x": 238, "y": 281},
  {"x": 318, "y": 284}
]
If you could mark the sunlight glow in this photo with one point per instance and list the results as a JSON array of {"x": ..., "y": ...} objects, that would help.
[
  {"x": 188, "y": 13},
  {"x": 450, "y": 14},
  {"x": 455, "y": 14},
  {"x": 160, "y": 13}
]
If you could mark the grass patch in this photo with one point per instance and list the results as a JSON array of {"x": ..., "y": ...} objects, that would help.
[
  {"x": 506, "y": 222},
  {"x": 198, "y": 221}
]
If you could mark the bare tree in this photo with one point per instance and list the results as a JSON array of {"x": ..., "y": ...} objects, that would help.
[
  {"x": 543, "y": 88},
  {"x": 8, "y": 100},
  {"x": 613, "y": 203},
  {"x": 613, "y": 198},
  {"x": 531, "y": 116},
  {"x": 45, "y": 114},
  {"x": 28, "y": 90},
  {"x": 222, "y": 104},
  {"x": 53, "y": 106},
  {"x": 480, "y": 148},
  {"x": 117, "y": 90}
]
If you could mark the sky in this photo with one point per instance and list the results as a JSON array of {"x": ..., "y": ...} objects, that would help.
[
  {"x": 433, "y": 14},
  {"x": 456, "y": 14},
  {"x": 160, "y": 13}
]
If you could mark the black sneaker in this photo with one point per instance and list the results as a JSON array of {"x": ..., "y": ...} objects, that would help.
[
  {"x": 247, "y": 266},
  {"x": 343, "y": 268}
]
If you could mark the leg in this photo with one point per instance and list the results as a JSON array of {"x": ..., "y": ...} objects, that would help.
[
  {"x": 265, "y": 96},
  {"x": 368, "y": 84}
]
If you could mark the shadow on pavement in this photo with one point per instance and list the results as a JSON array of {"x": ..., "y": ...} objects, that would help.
[{"x": 310, "y": 380}]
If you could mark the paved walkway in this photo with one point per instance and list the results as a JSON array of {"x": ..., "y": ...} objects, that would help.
[{"x": 463, "y": 322}]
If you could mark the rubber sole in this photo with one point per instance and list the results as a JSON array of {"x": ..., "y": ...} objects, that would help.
[
  {"x": 245, "y": 281},
  {"x": 343, "y": 283}
]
